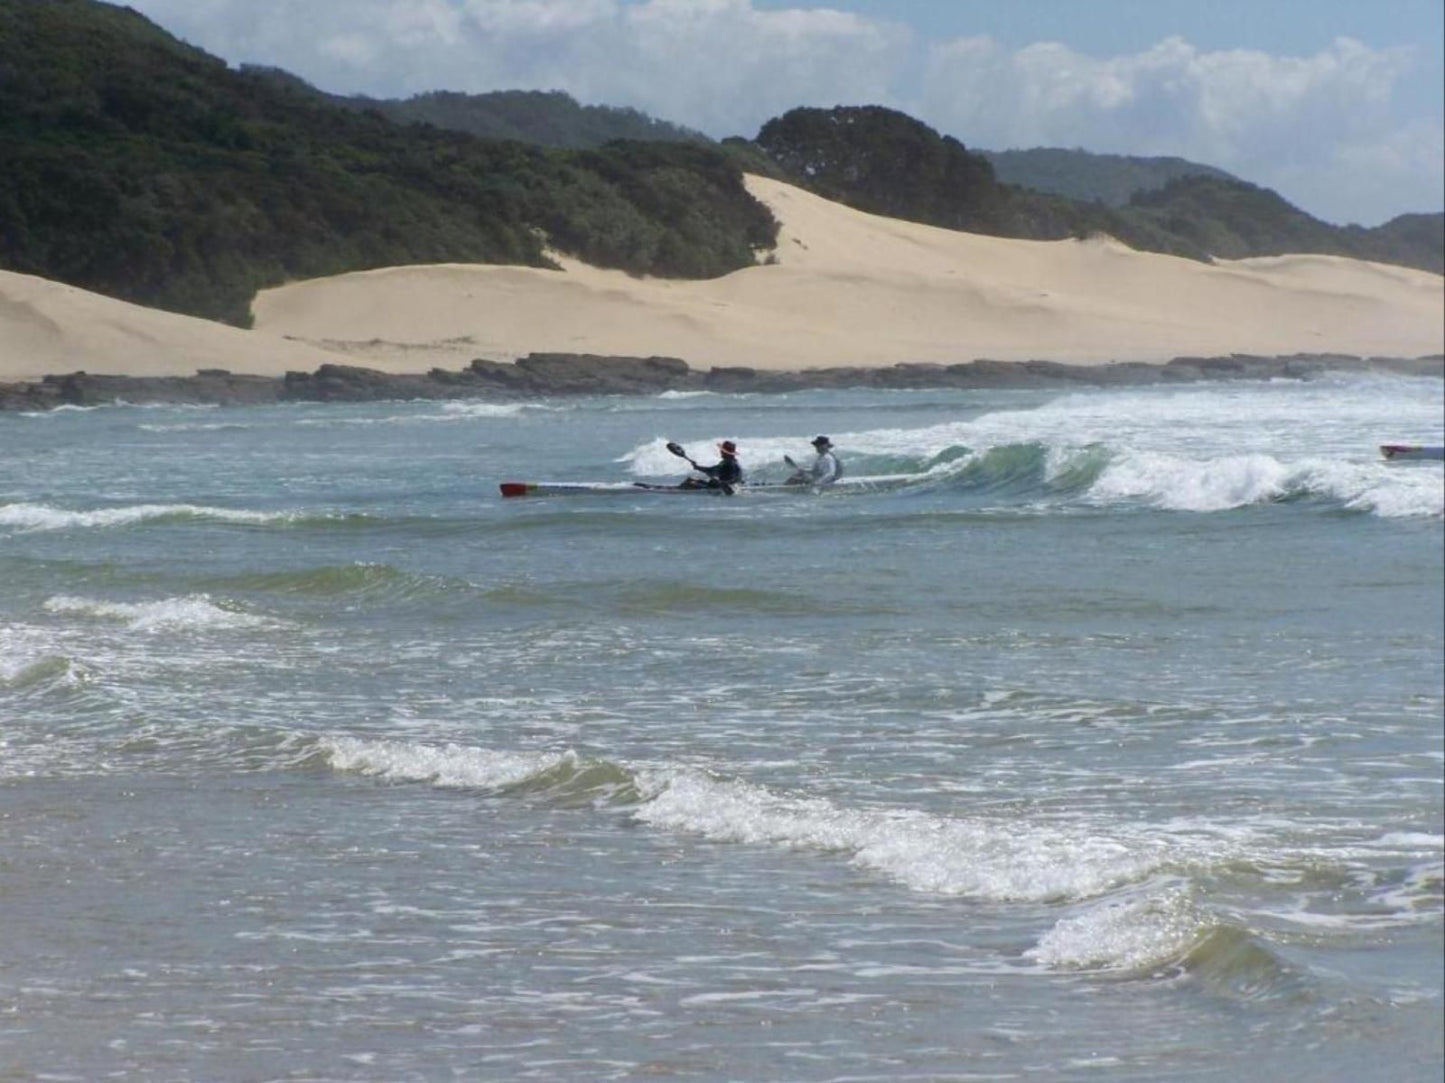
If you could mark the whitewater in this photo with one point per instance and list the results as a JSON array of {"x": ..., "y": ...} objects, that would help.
[{"x": 1106, "y": 745}]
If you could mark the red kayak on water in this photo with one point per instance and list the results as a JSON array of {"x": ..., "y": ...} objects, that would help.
[{"x": 1411, "y": 451}]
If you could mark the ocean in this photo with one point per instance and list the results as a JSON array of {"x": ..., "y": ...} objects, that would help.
[{"x": 1105, "y": 746}]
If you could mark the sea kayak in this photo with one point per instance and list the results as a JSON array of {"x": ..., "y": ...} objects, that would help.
[
  {"x": 601, "y": 488},
  {"x": 1411, "y": 451},
  {"x": 641, "y": 488}
]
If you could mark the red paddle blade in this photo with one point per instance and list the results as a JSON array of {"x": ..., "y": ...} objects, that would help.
[{"x": 515, "y": 488}]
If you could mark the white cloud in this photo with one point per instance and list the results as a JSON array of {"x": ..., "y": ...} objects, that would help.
[
  {"x": 1318, "y": 128},
  {"x": 538, "y": 16},
  {"x": 1323, "y": 130}
]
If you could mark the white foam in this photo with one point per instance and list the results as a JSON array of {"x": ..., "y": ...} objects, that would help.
[
  {"x": 446, "y": 765},
  {"x": 1133, "y": 934},
  {"x": 1197, "y": 448},
  {"x": 1167, "y": 481},
  {"x": 1234, "y": 481},
  {"x": 996, "y": 860},
  {"x": 990, "y": 860},
  {"x": 195, "y": 426},
  {"x": 1401, "y": 495},
  {"x": 192, "y": 611},
  {"x": 28, "y": 653},
  {"x": 465, "y": 410},
  {"x": 1412, "y": 841},
  {"x": 45, "y": 517},
  {"x": 63, "y": 408}
]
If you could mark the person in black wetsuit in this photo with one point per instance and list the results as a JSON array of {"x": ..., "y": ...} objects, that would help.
[{"x": 727, "y": 473}]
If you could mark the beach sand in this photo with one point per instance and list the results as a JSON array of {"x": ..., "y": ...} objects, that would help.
[{"x": 843, "y": 288}]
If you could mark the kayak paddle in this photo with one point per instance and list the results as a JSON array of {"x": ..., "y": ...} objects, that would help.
[{"x": 681, "y": 453}]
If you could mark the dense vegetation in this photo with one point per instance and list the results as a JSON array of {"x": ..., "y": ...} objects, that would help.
[
  {"x": 1231, "y": 219},
  {"x": 548, "y": 117},
  {"x": 142, "y": 168},
  {"x": 1111, "y": 179}
]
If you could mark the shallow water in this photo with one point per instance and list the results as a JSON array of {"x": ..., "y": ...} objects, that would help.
[{"x": 1109, "y": 747}]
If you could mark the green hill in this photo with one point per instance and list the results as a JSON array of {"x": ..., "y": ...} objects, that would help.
[
  {"x": 549, "y": 117},
  {"x": 1111, "y": 179},
  {"x": 145, "y": 169}
]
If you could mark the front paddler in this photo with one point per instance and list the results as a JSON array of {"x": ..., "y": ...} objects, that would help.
[{"x": 726, "y": 473}]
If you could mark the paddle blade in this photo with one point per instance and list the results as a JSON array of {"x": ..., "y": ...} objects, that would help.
[
  {"x": 677, "y": 449},
  {"x": 515, "y": 488}
]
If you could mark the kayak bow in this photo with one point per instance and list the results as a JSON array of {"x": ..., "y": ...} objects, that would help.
[{"x": 1411, "y": 451}]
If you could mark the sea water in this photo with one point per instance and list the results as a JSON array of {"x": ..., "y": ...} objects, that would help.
[{"x": 1107, "y": 747}]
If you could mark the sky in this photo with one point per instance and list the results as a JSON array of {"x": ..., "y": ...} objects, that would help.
[{"x": 1337, "y": 105}]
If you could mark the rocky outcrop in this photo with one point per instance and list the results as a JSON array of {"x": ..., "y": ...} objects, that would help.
[
  {"x": 87, "y": 389},
  {"x": 546, "y": 374}
]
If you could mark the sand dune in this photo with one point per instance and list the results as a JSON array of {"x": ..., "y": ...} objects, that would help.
[
  {"x": 47, "y": 327},
  {"x": 843, "y": 288},
  {"x": 855, "y": 289}
]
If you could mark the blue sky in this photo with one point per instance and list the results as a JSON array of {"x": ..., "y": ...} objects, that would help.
[{"x": 1338, "y": 105}]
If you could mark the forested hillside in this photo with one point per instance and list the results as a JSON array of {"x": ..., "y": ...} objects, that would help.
[
  {"x": 1111, "y": 179},
  {"x": 549, "y": 117},
  {"x": 145, "y": 169}
]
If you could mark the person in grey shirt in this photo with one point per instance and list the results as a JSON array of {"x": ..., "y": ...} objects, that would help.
[{"x": 824, "y": 470}]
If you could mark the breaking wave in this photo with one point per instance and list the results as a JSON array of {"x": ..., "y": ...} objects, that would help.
[
  {"x": 1197, "y": 449},
  {"x": 195, "y": 611},
  {"x": 944, "y": 856},
  {"x": 39, "y": 517}
]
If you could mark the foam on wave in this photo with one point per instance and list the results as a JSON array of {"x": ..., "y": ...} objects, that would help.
[
  {"x": 195, "y": 611},
  {"x": 1198, "y": 449},
  {"x": 45, "y": 517}
]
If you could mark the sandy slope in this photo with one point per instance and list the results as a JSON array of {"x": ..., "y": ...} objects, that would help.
[
  {"x": 846, "y": 288},
  {"x": 46, "y": 328}
]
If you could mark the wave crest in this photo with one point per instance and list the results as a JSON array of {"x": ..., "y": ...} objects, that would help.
[{"x": 195, "y": 611}]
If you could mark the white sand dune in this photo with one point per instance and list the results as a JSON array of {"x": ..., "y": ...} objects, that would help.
[
  {"x": 851, "y": 288},
  {"x": 843, "y": 288},
  {"x": 49, "y": 328}
]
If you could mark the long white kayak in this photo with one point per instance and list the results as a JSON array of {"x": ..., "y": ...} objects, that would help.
[
  {"x": 638, "y": 488},
  {"x": 1411, "y": 451}
]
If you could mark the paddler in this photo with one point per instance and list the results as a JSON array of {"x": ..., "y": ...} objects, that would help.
[
  {"x": 727, "y": 473},
  {"x": 825, "y": 468}
]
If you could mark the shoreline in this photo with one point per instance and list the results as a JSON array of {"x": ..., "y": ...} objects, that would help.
[{"x": 543, "y": 375}]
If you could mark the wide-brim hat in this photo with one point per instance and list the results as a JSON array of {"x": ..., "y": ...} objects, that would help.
[
  {"x": 822, "y": 441},
  {"x": 727, "y": 447}
]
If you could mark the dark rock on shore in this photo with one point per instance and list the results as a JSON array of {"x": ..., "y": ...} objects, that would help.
[
  {"x": 86, "y": 389},
  {"x": 545, "y": 374}
]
